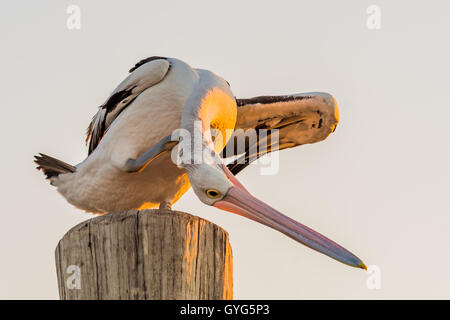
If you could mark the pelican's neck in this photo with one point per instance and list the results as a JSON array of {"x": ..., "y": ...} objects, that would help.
[{"x": 217, "y": 111}]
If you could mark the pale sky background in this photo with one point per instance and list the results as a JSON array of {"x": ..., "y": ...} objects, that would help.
[{"x": 379, "y": 185}]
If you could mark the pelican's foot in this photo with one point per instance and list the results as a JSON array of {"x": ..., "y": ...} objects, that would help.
[{"x": 165, "y": 205}]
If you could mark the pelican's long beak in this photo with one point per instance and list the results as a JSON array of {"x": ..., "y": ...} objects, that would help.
[{"x": 238, "y": 200}]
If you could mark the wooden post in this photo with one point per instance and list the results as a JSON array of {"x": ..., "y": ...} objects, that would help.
[{"x": 149, "y": 254}]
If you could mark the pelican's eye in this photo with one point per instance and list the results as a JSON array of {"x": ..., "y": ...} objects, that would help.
[{"x": 213, "y": 193}]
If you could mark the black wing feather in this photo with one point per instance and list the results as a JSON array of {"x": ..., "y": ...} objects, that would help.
[
  {"x": 136, "y": 83},
  {"x": 299, "y": 119}
]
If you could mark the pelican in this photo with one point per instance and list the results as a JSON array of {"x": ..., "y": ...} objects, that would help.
[{"x": 131, "y": 147}]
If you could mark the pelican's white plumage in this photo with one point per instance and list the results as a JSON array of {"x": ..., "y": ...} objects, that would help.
[
  {"x": 100, "y": 183},
  {"x": 128, "y": 166}
]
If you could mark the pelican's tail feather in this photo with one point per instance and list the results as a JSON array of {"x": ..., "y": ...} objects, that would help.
[{"x": 52, "y": 167}]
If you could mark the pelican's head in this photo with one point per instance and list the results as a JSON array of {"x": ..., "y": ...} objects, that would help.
[
  {"x": 216, "y": 186},
  {"x": 209, "y": 182}
]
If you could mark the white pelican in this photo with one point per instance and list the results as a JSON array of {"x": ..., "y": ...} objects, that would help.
[{"x": 129, "y": 165}]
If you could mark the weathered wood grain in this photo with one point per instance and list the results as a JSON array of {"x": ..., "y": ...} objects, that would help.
[{"x": 149, "y": 254}]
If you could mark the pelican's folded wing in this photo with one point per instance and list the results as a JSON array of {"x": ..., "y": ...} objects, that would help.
[
  {"x": 300, "y": 119},
  {"x": 145, "y": 74}
]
